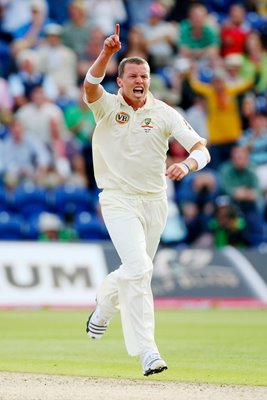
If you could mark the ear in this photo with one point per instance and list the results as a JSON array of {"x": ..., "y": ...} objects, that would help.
[{"x": 119, "y": 82}]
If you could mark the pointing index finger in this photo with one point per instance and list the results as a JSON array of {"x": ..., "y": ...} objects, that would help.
[{"x": 117, "y": 29}]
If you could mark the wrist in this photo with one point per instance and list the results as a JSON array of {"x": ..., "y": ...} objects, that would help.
[
  {"x": 94, "y": 80},
  {"x": 200, "y": 158},
  {"x": 106, "y": 54},
  {"x": 187, "y": 166}
]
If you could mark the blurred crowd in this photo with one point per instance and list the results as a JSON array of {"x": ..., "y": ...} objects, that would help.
[{"x": 208, "y": 60}]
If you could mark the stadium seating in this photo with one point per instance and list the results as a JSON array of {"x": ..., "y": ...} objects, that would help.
[
  {"x": 3, "y": 202},
  {"x": 90, "y": 227},
  {"x": 70, "y": 200},
  {"x": 29, "y": 200},
  {"x": 11, "y": 226}
]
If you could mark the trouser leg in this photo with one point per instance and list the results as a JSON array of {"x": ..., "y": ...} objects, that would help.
[
  {"x": 135, "y": 232},
  {"x": 107, "y": 296}
]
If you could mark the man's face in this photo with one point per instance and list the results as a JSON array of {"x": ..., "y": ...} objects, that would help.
[
  {"x": 219, "y": 84},
  {"x": 135, "y": 83},
  {"x": 240, "y": 157},
  {"x": 38, "y": 96},
  {"x": 197, "y": 17},
  {"x": 53, "y": 40},
  {"x": 17, "y": 131},
  {"x": 237, "y": 14}
]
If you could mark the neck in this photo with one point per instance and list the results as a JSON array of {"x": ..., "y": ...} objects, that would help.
[
  {"x": 197, "y": 31},
  {"x": 134, "y": 104},
  {"x": 80, "y": 22}
]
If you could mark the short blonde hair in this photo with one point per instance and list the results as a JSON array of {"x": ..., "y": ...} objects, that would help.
[{"x": 130, "y": 60}]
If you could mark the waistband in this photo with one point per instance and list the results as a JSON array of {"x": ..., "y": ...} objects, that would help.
[{"x": 125, "y": 195}]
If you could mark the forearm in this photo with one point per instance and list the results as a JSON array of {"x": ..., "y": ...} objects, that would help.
[
  {"x": 95, "y": 75},
  {"x": 199, "y": 86},
  {"x": 99, "y": 67},
  {"x": 196, "y": 160}
]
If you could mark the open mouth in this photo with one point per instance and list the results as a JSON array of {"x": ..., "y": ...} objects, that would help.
[{"x": 138, "y": 90}]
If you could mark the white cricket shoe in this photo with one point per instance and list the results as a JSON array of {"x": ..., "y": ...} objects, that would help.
[
  {"x": 153, "y": 364},
  {"x": 97, "y": 324}
]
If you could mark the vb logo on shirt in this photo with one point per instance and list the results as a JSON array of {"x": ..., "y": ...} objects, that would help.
[{"x": 122, "y": 117}]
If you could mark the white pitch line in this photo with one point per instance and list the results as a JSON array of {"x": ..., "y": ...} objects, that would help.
[{"x": 248, "y": 272}]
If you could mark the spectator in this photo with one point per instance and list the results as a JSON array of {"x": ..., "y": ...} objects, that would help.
[
  {"x": 224, "y": 122},
  {"x": 67, "y": 157},
  {"x": 6, "y": 102},
  {"x": 234, "y": 31},
  {"x": 106, "y": 13},
  {"x": 258, "y": 6},
  {"x": 159, "y": 36},
  {"x": 25, "y": 157},
  {"x": 68, "y": 161},
  {"x": 160, "y": 88},
  {"x": 58, "y": 61},
  {"x": 233, "y": 64},
  {"x": 196, "y": 115},
  {"x": 240, "y": 183},
  {"x": 195, "y": 196},
  {"x": 179, "y": 10},
  {"x": 136, "y": 44},
  {"x": 52, "y": 228},
  {"x": 5, "y": 51},
  {"x": 37, "y": 116},
  {"x": 227, "y": 226},
  {"x": 94, "y": 44},
  {"x": 255, "y": 60},
  {"x": 16, "y": 13},
  {"x": 28, "y": 77},
  {"x": 198, "y": 39},
  {"x": 80, "y": 121},
  {"x": 78, "y": 176},
  {"x": 58, "y": 149},
  {"x": 255, "y": 140},
  {"x": 76, "y": 30},
  {"x": 248, "y": 109},
  {"x": 29, "y": 35},
  {"x": 89, "y": 169},
  {"x": 179, "y": 81},
  {"x": 138, "y": 11},
  {"x": 175, "y": 230}
]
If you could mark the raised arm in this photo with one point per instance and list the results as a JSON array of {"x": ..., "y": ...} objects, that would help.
[{"x": 97, "y": 71}]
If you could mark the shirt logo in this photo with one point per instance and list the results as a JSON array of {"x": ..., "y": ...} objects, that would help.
[
  {"x": 146, "y": 125},
  {"x": 122, "y": 117},
  {"x": 147, "y": 121}
]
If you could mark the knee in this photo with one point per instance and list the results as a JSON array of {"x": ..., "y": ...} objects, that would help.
[{"x": 139, "y": 269}]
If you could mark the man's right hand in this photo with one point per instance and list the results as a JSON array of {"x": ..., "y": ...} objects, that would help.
[{"x": 112, "y": 43}]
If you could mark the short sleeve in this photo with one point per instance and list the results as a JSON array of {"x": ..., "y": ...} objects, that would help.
[
  {"x": 182, "y": 131},
  {"x": 100, "y": 107}
]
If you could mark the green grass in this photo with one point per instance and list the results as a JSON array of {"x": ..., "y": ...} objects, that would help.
[{"x": 211, "y": 346}]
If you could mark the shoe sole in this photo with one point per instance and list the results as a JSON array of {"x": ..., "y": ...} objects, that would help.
[{"x": 155, "y": 371}]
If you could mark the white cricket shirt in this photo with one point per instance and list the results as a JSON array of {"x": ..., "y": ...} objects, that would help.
[{"x": 129, "y": 147}]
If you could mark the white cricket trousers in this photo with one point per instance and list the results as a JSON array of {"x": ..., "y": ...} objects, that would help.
[{"x": 135, "y": 224}]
